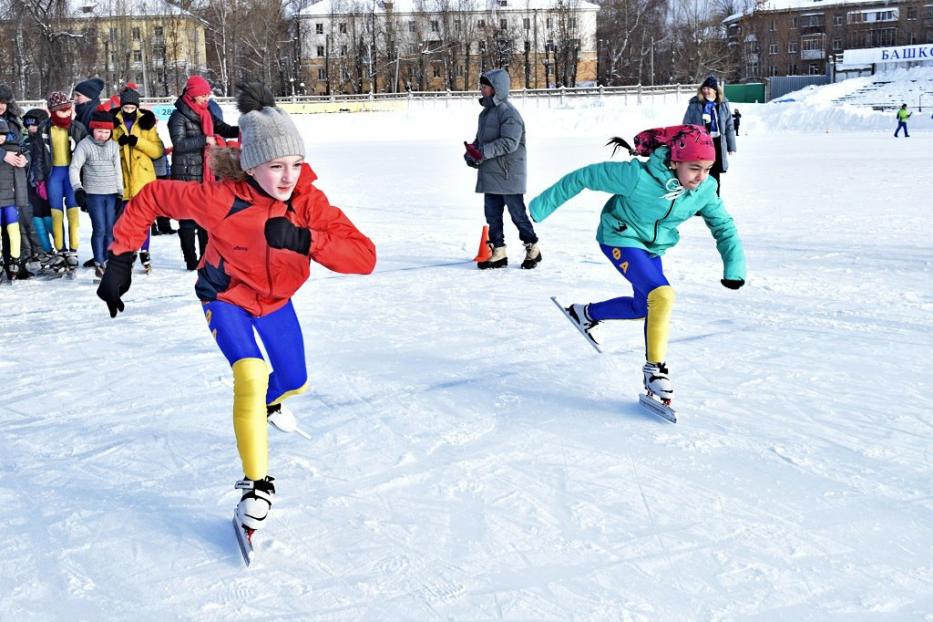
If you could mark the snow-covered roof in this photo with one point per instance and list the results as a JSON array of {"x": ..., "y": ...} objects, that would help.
[
  {"x": 328, "y": 7},
  {"x": 135, "y": 8},
  {"x": 816, "y": 5}
]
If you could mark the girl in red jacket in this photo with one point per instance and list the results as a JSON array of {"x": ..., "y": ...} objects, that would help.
[{"x": 266, "y": 220}]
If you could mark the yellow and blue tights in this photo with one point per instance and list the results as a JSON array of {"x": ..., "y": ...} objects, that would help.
[
  {"x": 254, "y": 386},
  {"x": 652, "y": 299}
]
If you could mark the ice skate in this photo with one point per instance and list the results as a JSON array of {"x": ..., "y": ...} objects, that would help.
[
  {"x": 256, "y": 502},
  {"x": 580, "y": 316},
  {"x": 532, "y": 256},
  {"x": 145, "y": 261},
  {"x": 283, "y": 420},
  {"x": 499, "y": 259},
  {"x": 657, "y": 382}
]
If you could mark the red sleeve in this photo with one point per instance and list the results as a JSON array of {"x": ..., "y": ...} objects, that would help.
[
  {"x": 176, "y": 199},
  {"x": 336, "y": 243}
]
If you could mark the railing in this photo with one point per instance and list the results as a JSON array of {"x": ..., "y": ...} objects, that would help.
[{"x": 636, "y": 90}]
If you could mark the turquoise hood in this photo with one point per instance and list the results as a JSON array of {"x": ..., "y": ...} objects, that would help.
[{"x": 647, "y": 206}]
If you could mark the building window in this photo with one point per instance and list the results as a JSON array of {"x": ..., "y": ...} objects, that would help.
[
  {"x": 342, "y": 28},
  {"x": 137, "y": 56},
  {"x": 321, "y": 73},
  {"x": 503, "y": 24},
  {"x": 457, "y": 25},
  {"x": 113, "y": 34},
  {"x": 526, "y": 23},
  {"x": 136, "y": 36},
  {"x": 549, "y": 45},
  {"x": 159, "y": 32},
  {"x": 773, "y": 48},
  {"x": 814, "y": 69},
  {"x": 459, "y": 70},
  {"x": 412, "y": 26},
  {"x": 791, "y": 47},
  {"x": 793, "y": 22},
  {"x": 481, "y": 23},
  {"x": 319, "y": 29},
  {"x": 320, "y": 50},
  {"x": 838, "y": 20},
  {"x": 911, "y": 12},
  {"x": 930, "y": 12},
  {"x": 771, "y": 26},
  {"x": 837, "y": 45},
  {"x": 793, "y": 69},
  {"x": 912, "y": 38},
  {"x": 549, "y": 23},
  {"x": 435, "y": 26},
  {"x": 436, "y": 71},
  {"x": 572, "y": 22},
  {"x": 812, "y": 44}
]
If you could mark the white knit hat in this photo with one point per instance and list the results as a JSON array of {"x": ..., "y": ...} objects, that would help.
[{"x": 266, "y": 131}]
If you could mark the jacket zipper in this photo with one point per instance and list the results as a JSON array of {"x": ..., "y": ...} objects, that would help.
[
  {"x": 658, "y": 222},
  {"x": 269, "y": 253}
]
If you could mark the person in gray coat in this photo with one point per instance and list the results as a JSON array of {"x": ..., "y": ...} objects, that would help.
[
  {"x": 710, "y": 109},
  {"x": 498, "y": 154}
]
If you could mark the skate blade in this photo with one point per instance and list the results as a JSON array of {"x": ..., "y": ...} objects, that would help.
[
  {"x": 575, "y": 325},
  {"x": 244, "y": 541},
  {"x": 658, "y": 408}
]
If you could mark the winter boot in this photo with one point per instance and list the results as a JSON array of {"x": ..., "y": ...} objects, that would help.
[
  {"x": 145, "y": 261},
  {"x": 499, "y": 259},
  {"x": 281, "y": 417},
  {"x": 532, "y": 256},
  {"x": 657, "y": 381},
  {"x": 590, "y": 327},
  {"x": 98, "y": 271},
  {"x": 256, "y": 502},
  {"x": 89, "y": 263}
]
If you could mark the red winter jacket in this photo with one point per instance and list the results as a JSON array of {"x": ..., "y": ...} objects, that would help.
[{"x": 238, "y": 266}]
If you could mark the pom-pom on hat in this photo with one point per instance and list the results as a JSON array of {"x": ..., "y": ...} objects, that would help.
[
  {"x": 266, "y": 131},
  {"x": 129, "y": 97},
  {"x": 101, "y": 118},
  {"x": 57, "y": 100},
  {"x": 90, "y": 88},
  {"x": 711, "y": 82},
  {"x": 197, "y": 86}
]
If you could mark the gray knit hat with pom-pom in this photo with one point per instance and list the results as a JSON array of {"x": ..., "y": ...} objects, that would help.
[{"x": 266, "y": 131}]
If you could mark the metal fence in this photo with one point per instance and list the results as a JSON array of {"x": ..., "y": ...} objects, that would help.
[{"x": 778, "y": 86}]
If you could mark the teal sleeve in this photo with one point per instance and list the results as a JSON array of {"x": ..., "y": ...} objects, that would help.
[
  {"x": 611, "y": 177},
  {"x": 728, "y": 244}
]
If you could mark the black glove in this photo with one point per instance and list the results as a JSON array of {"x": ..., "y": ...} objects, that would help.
[
  {"x": 116, "y": 281},
  {"x": 470, "y": 161},
  {"x": 732, "y": 283},
  {"x": 124, "y": 139},
  {"x": 81, "y": 199},
  {"x": 132, "y": 140},
  {"x": 281, "y": 233}
]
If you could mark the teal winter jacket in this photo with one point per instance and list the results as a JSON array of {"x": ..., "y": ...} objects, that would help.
[{"x": 646, "y": 207}]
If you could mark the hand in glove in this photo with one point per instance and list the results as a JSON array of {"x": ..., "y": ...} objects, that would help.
[
  {"x": 81, "y": 199},
  {"x": 732, "y": 283},
  {"x": 281, "y": 233},
  {"x": 132, "y": 140},
  {"x": 472, "y": 153},
  {"x": 116, "y": 281},
  {"x": 123, "y": 140}
]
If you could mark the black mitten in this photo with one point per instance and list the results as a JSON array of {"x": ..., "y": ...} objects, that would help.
[
  {"x": 132, "y": 140},
  {"x": 123, "y": 140},
  {"x": 81, "y": 199},
  {"x": 281, "y": 233},
  {"x": 732, "y": 283},
  {"x": 116, "y": 281}
]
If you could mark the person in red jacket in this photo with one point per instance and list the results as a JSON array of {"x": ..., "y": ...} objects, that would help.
[{"x": 266, "y": 221}]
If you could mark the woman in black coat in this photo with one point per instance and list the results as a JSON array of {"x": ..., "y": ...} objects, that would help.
[{"x": 192, "y": 128}]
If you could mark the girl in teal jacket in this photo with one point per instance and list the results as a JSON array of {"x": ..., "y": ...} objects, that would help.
[{"x": 639, "y": 223}]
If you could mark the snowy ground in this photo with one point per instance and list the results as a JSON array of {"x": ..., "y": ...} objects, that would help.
[{"x": 472, "y": 457}]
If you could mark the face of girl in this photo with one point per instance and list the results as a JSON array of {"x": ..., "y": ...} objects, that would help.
[
  {"x": 101, "y": 134},
  {"x": 63, "y": 113},
  {"x": 128, "y": 108},
  {"x": 709, "y": 93},
  {"x": 278, "y": 177},
  {"x": 692, "y": 174},
  {"x": 201, "y": 100}
]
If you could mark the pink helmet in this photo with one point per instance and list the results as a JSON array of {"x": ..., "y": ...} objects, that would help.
[{"x": 687, "y": 142}]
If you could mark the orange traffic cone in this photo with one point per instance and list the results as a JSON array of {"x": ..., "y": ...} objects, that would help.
[{"x": 484, "y": 253}]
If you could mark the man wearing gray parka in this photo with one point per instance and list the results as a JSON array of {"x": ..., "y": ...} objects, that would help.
[{"x": 498, "y": 154}]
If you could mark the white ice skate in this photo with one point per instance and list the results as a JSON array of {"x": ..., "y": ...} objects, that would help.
[
  {"x": 251, "y": 512},
  {"x": 660, "y": 391},
  {"x": 284, "y": 420}
]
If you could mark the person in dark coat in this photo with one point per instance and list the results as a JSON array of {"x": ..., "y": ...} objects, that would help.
[
  {"x": 193, "y": 130},
  {"x": 14, "y": 148},
  {"x": 87, "y": 99},
  {"x": 710, "y": 109},
  {"x": 498, "y": 154},
  {"x": 736, "y": 119},
  {"x": 35, "y": 176}
]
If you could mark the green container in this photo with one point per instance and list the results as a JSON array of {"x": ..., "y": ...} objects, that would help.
[{"x": 746, "y": 93}]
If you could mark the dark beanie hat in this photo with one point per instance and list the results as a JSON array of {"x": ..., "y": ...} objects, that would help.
[
  {"x": 34, "y": 116},
  {"x": 101, "y": 118},
  {"x": 90, "y": 88},
  {"x": 129, "y": 97},
  {"x": 711, "y": 82},
  {"x": 6, "y": 93}
]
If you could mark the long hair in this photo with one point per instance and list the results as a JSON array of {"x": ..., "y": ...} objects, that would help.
[
  {"x": 619, "y": 143},
  {"x": 225, "y": 163}
]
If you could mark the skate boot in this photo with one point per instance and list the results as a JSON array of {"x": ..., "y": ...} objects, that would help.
[
  {"x": 532, "y": 256},
  {"x": 12, "y": 270},
  {"x": 590, "y": 327},
  {"x": 71, "y": 259},
  {"x": 499, "y": 259},
  {"x": 145, "y": 261},
  {"x": 657, "y": 381},
  {"x": 256, "y": 502},
  {"x": 56, "y": 262},
  {"x": 98, "y": 271},
  {"x": 281, "y": 418}
]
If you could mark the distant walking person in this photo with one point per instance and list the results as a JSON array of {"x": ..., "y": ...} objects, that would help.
[
  {"x": 902, "y": 116},
  {"x": 498, "y": 154},
  {"x": 710, "y": 109},
  {"x": 736, "y": 119}
]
